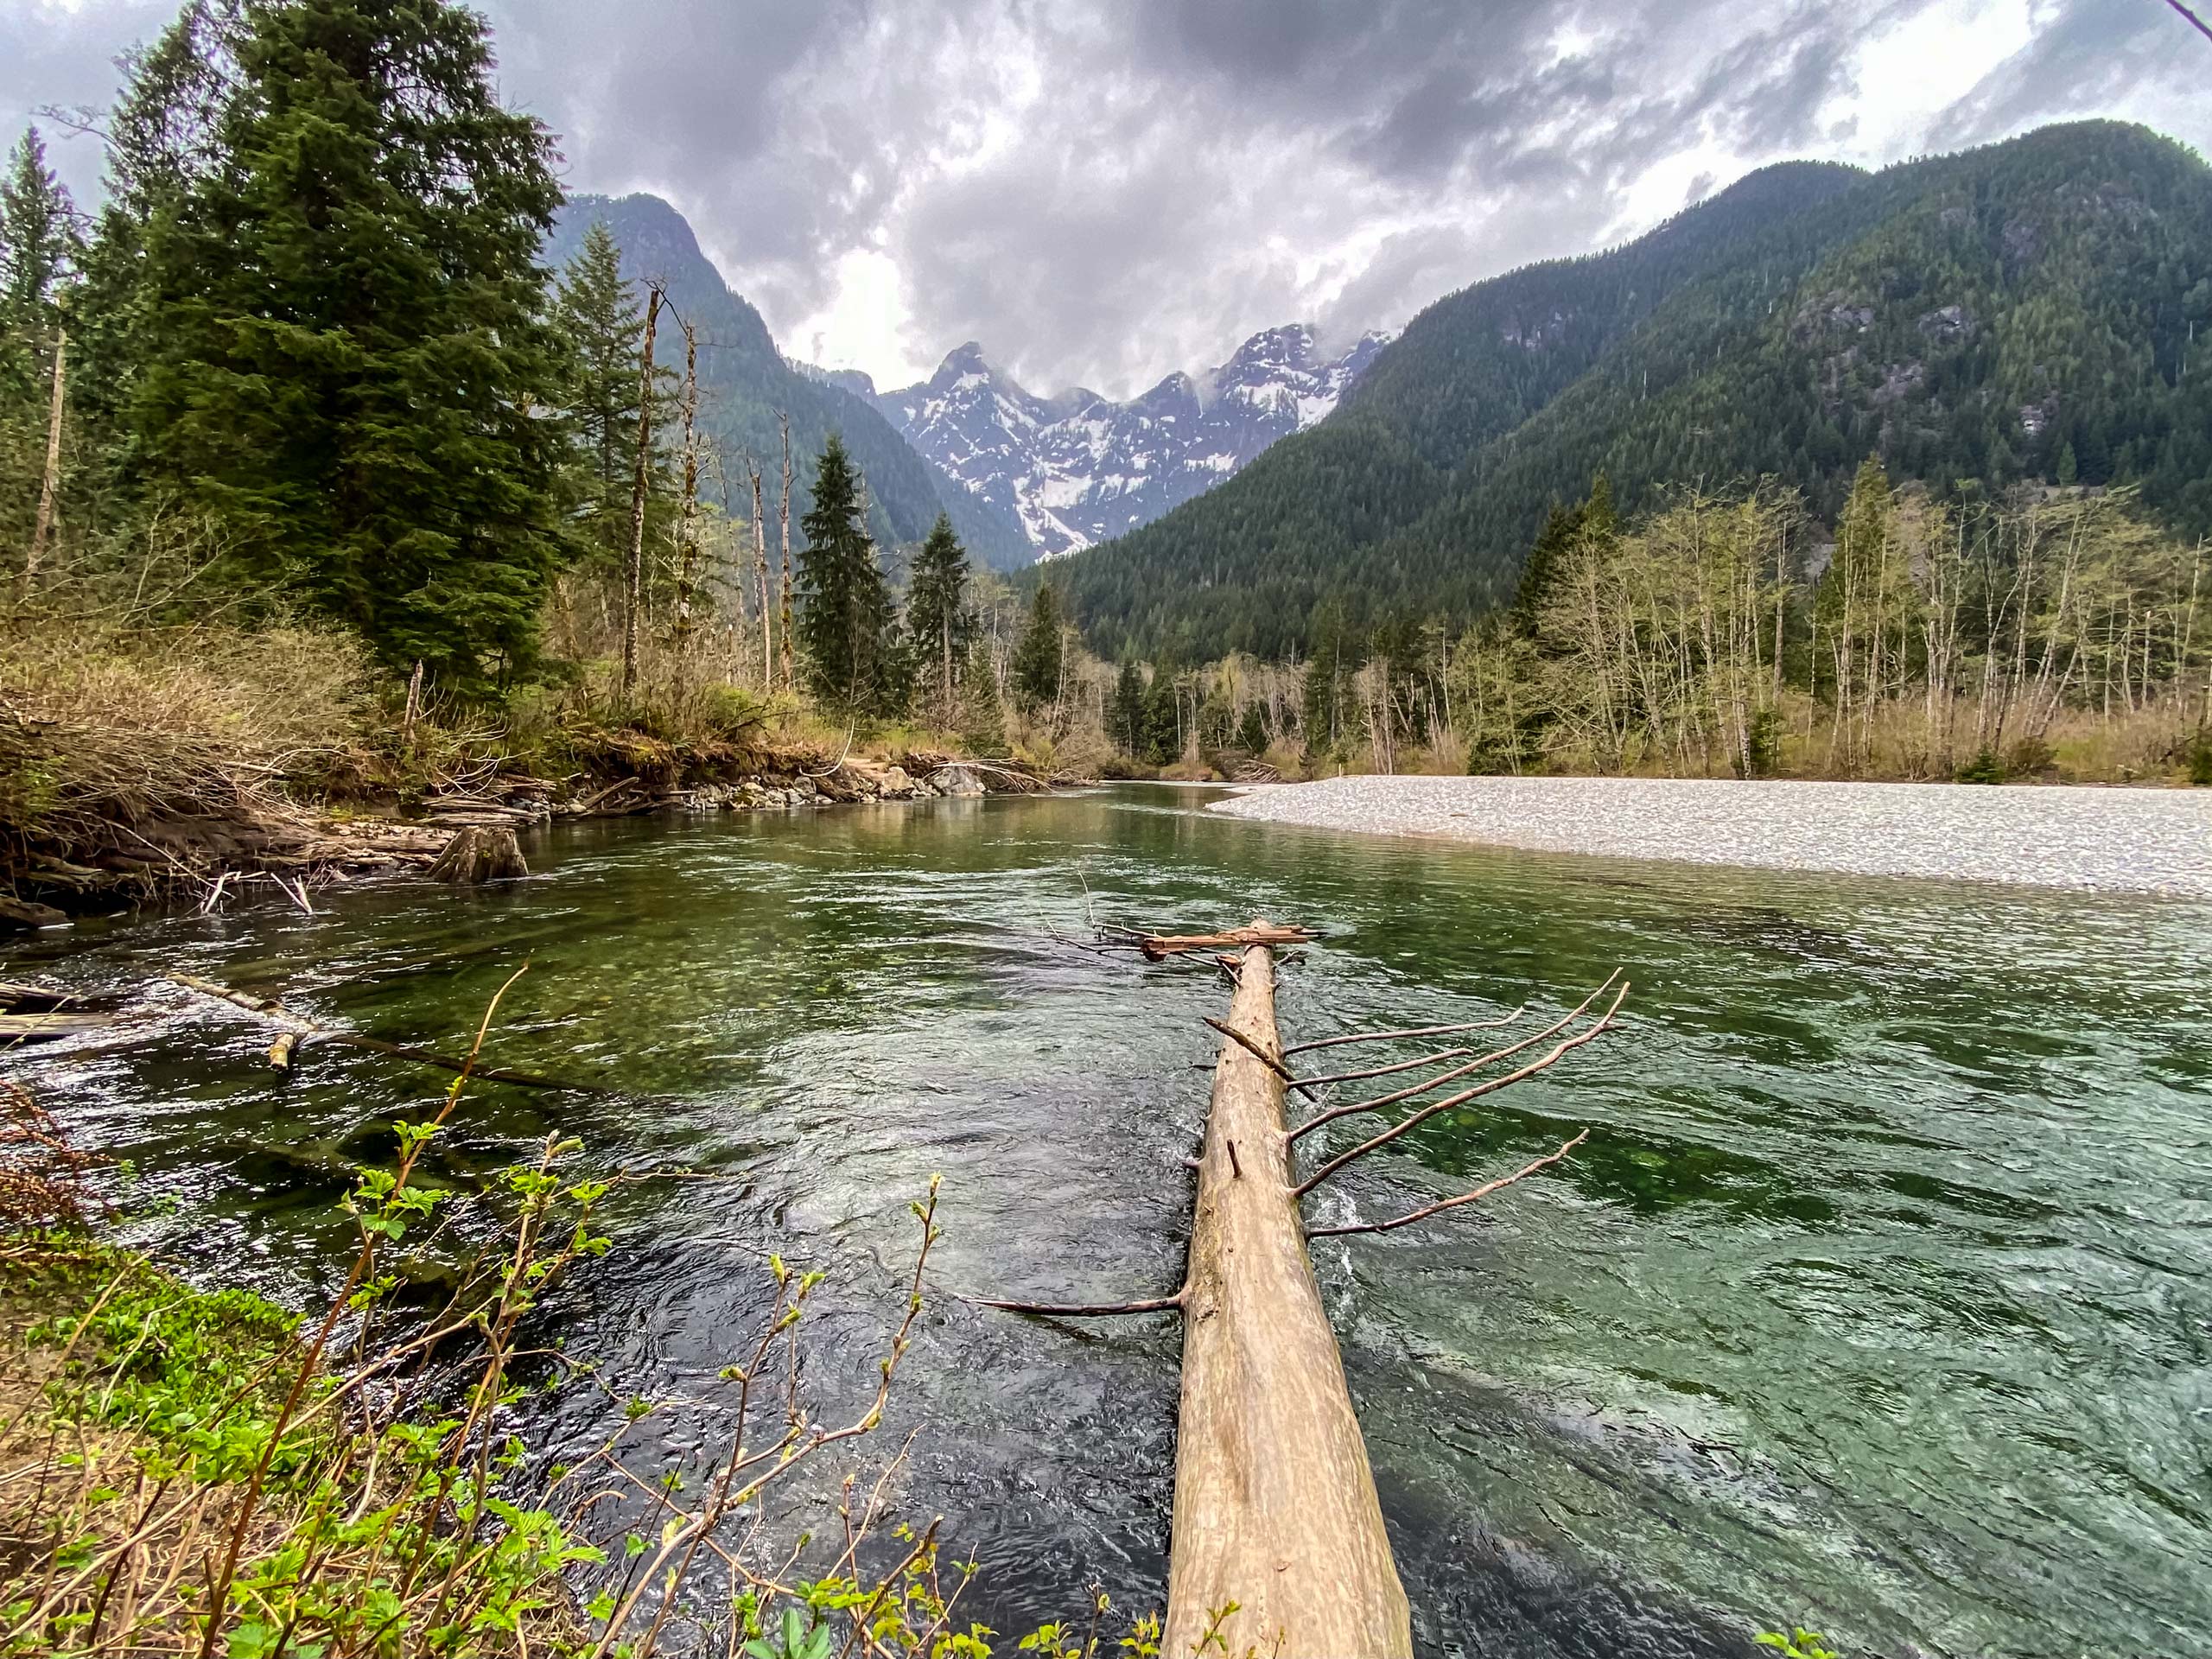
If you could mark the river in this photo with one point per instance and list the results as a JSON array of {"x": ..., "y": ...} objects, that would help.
[{"x": 1877, "y": 1300}]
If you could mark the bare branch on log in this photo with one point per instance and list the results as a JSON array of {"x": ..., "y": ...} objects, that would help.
[
  {"x": 1385, "y": 1070},
  {"x": 1449, "y": 1101},
  {"x": 1427, "y": 1210},
  {"x": 1411, "y": 1031},
  {"x": 1081, "y": 1310},
  {"x": 1456, "y": 1071},
  {"x": 1156, "y": 946},
  {"x": 1257, "y": 1053}
]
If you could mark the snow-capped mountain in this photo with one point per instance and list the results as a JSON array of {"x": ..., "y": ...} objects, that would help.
[{"x": 1079, "y": 468}]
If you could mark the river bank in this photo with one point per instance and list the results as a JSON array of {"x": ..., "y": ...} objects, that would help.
[
  {"x": 90, "y": 824},
  {"x": 2114, "y": 840}
]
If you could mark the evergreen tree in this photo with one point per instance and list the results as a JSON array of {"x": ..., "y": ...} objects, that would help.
[
  {"x": 161, "y": 137},
  {"x": 1164, "y": 716},
  {"x": 1252, "y": 730},
  {"x": 983, "y": 717},
  {"x": 847, "y": 632},
  {"x": 1561, "y": 526},
  {"x": 1125, "y": 712},
  {"x": 349, "y": 362},
  {"x": 38, "y": 242},
  {"x": 597, "y": 312},
  {"x": 1039, "y": 656},
  {"x": 939, "y": 620}
]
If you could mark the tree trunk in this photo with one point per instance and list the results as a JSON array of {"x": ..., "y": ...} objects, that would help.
[
  {"x": 634, "y": 585},
  {"x": 50, "y": 480},
  {"x": 784, "y": 613},
  {"x": 687, "y": 536},
  {"x": 1276, "y": 1507},
  {"x": 761, "y": 575}
]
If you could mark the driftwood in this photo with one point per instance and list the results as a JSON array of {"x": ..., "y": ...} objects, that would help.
[
  {"x": 480, "y": 853},
  {"x": 18, "y": 997},
  {"x": 1276, "y": 1517},
  {"x": 45, "y": 1027},
  {"x": 1276, "y": 1507},
  {"x": 299, "y": 1030},
  {"x": 1157, "y": 947}
]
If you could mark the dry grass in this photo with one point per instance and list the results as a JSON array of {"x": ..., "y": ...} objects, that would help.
[{"x": 263, "y": 692}]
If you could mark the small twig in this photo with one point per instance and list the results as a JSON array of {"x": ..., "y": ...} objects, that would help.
[
  {"x": 1411, "y": 1031},
  {"x": 1236, "y": 1170},
  {"x": 2202, "y": 27},
  {"x": 1427, "y": 1210}
]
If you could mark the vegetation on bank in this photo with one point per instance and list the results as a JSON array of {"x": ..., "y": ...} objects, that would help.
[{"x": 2050, "y": 635}]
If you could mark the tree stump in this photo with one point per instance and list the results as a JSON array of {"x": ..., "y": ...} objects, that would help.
[{"x": 479, "y": 854}]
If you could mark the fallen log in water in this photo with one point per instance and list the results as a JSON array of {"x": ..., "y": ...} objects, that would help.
[
  {"x": 1276, "y": 1507},
  {"x": 1277, "y": 1544},
  {"x": 297, "y": 1029},
  {"x": 45, "y": 1027}
]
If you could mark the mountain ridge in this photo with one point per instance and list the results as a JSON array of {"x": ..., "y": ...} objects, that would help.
[{"x": 1968, "y": 315}]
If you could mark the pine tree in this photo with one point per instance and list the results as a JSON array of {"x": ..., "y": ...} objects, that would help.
[
  {"x": 350, "y": 365},
  {"x": 1561, "y": 526},
  {"x": 597, "y": 312},
  {"x": 39, "y": 251},
  {"x": 939, "y": 620},
  {"x": 38, "y": 243},
  {"x": 847, "y": 632},
  {"x": 160, "y": 138},
  {"x": 1164, "y": 716},
  {"x": 1039, "y": 656},
  {"x": 1126, "y": 714}
]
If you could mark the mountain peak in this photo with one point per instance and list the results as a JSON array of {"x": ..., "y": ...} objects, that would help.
[
  {"x": 967, "y": 358},
  {"x": 1078, "y": 468}
]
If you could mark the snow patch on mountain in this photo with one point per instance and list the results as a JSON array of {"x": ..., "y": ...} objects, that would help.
[{"x": 1079, "y": 468}]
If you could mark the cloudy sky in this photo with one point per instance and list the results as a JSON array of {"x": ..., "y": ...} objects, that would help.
[{"x": 1103, "y": 190}]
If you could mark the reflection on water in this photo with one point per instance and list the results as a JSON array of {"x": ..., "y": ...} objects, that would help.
[{"x": 1878, "y": 1299}]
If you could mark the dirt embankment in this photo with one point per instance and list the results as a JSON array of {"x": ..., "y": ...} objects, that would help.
[{"x": 91, "y": 823}]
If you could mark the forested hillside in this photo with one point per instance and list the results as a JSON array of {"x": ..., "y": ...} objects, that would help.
[
  {"x": 2023, "y": 311},
  {"x": 745, "y": 381}
]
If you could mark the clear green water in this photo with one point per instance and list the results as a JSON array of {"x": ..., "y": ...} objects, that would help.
[{"x": 1877, "y": 1300}]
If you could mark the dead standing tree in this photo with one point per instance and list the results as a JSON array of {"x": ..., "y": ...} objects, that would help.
[
  {"x": 634, "y": 573},
  {"x": 1276, "y": 1523}
]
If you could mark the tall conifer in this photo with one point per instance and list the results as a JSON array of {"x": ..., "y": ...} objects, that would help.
[
  {"x": 847, "y": 630},
  {"x": 596, "y": 311},
  {"x": 1039, "y": 656},
  {"x": 939, "y": 620},
  {"x": 350, "y": 364}
]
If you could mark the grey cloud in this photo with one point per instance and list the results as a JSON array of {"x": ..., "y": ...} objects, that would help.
[
  {"x": 1102, "y": 190},
  {"x": 2076, "y": 64}
]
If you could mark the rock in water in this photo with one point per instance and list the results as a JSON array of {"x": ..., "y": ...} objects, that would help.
[
  {"x": 957, "y": 780},
  {"x": 480, "y": 853}
]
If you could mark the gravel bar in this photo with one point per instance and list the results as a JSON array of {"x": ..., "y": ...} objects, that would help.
[{"x": 2141, "y": 840}]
